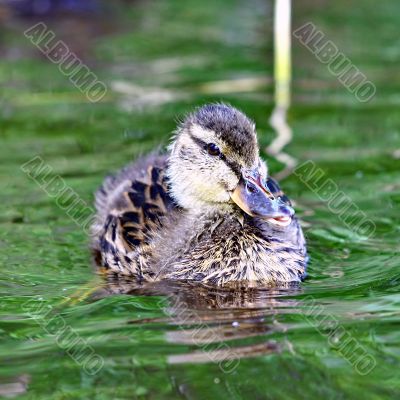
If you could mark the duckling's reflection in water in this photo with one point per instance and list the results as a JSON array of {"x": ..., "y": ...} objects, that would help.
[{"x": 216, "y": 320}]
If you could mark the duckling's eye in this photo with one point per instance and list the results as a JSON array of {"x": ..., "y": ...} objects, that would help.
[{"x": 213, "y": 149}]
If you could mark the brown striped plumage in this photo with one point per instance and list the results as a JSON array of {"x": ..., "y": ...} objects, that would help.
[{"x": 143, "y": 229}]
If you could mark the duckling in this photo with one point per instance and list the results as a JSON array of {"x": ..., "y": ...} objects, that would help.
[{"x": 207, "y": 211}]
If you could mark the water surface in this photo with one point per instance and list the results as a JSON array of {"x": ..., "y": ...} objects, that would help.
[{"x": 336, "y": 336}]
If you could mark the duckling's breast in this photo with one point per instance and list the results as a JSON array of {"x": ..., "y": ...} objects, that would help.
[{"x": 229, "y": 250}]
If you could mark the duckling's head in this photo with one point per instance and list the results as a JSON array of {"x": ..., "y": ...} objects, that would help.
[{"x": 214, "y": 163}]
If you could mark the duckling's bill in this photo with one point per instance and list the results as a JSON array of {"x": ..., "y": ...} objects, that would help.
[{"x": 252, "y": 196}]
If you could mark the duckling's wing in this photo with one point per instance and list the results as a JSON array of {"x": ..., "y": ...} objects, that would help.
[
  {"x": 130, "y": 207},
  {"x": 146, "y": 201},
  {"x": 276, "y": 190}
]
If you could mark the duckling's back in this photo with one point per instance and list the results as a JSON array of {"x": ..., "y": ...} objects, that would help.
[{"x": 130, "y": 207}]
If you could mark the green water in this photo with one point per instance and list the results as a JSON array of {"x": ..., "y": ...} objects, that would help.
[{"x": 335, "y": 337}]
